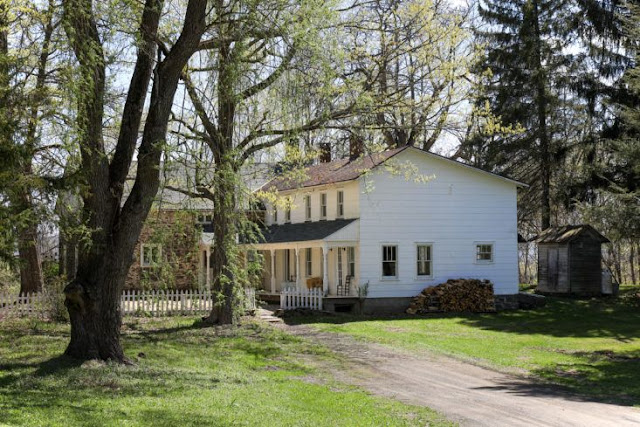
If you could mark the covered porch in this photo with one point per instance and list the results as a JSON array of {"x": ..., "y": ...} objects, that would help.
[{"x": 314, "y": 255}]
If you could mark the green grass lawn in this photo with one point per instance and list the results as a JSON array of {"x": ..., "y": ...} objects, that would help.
[
  {"x": 188, "y": 375},
  {"x": 591, "y": 346}
]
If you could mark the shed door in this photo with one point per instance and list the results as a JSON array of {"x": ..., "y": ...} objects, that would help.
[{"x": 552, "y": 265}]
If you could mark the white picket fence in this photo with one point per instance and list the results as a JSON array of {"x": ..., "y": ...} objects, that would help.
[
  {"x": 291, "y": 298},
  {"x": 30, "y": 304},
  {"x": 153, "y": 303}
]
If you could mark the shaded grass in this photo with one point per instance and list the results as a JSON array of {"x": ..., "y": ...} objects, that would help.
[
  {"x": 185, "y": 374},
  {"x": 590, "y": 346}
]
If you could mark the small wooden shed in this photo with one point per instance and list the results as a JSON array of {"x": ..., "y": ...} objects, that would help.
[{"x": 569, "y": 260}]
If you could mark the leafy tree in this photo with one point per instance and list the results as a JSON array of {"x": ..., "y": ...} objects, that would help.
[
  {"x": 413, "y": 59},
  {"x": 28, "y": 83},
  {"x": 267, "y": 77},
  {"x": 113, "y": 220}
]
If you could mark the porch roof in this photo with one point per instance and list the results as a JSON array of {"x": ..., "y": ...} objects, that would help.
[{"x": 302, "y": 232}]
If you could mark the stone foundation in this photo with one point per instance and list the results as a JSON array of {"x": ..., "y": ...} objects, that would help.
[{"x": 506, "y": 302}]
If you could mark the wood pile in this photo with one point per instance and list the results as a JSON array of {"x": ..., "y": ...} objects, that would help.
[{"x": 455, "y": 295}]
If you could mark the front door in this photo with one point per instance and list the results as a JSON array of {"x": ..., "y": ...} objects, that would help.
[{"x": 345, "y": 267}]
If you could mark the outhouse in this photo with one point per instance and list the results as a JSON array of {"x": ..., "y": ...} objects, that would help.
[{"x": 570, "y": 260}]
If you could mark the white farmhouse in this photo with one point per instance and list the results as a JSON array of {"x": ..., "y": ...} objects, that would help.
[{"x": 373, "y": 222}]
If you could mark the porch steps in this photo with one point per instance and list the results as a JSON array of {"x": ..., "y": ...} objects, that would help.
[{"x": 267, "y": 316}]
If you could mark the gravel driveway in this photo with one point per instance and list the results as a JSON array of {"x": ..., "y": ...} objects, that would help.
[{"x": 466, "y": 393}]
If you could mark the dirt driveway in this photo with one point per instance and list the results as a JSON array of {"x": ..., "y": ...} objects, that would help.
[{"x": 469, "y": 394}]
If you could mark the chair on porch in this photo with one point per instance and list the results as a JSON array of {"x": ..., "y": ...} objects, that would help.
[{"x": 345, "y": 289}]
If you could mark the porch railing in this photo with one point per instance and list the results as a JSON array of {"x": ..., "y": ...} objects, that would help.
[{"x": 292, "y": 298}]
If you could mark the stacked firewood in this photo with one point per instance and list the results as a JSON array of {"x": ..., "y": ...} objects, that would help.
[{"x": 456, "y": 295}]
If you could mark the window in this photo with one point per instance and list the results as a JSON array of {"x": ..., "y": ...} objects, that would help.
[
  {"x": 423, "y": 255},
  {"x": 287, "y": 265},
  {"x": 275, "y": 214},
  {"x": 323, "y": 205},
  {"x": 307, "y": 208},
  {"x": 203, "y": 219},
  {"x": 308, "y": 262},
  {"x": 389, "y": 261},
  {"x": 287, "y": 214},
  {"x": 351, "y": 261},
  {"x": 340, "y": 212},
  {"x": 150, "y": 255},
  {"x": 484, "y": 252}
]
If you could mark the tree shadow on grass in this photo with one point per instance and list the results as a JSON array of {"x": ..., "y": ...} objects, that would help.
[
  {"x": 55, "y": 365},
  {"x": 603, "y": 377},
  {"x": 562, "y": 317}
]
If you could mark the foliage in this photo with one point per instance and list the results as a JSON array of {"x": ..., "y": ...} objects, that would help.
[
  {"x": 187, "y": 375},
  {"x": 177, "y": 234}
]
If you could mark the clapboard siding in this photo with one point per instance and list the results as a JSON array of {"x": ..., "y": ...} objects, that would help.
[
  {"x": 453, "y": 211},
  {"x": 351, "y": 203}
]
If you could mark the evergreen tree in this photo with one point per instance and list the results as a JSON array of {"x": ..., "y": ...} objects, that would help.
[
  {"x": 525, "y": 65},
  {"x": 547, "y": 64}
]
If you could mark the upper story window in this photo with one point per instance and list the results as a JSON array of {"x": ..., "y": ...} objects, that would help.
[
  {"x": 389, "y": 261},
  {"x": 287, "y": 214},
  {"x": 275, "y": 214},
  {"x": 484, "y": 252},
  {"x": 340, "y": 211},
  {"x": 423, "y": 255},
  {"x": 323, "y": 205},
  {"x": 150, "y": 254},
  {"x": 307, "y": 208}
]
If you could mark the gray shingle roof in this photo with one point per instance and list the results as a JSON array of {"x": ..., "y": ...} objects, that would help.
[
  {"x": 303, "y": 232},
  {"x": 567, "y": 233}
]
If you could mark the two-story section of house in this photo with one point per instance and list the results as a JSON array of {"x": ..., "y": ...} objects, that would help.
[{"x": 392, "y": 223}]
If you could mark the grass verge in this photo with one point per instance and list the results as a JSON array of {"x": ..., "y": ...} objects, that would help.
[
  {"x": 591, "y": 346},
  {"x": 185, "y": 375}
]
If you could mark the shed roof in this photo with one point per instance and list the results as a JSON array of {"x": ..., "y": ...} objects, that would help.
[
  {"x": 342, "y": 170},
  {"x": 568, "y": 233},
  {"x": 303, "y": 232}
]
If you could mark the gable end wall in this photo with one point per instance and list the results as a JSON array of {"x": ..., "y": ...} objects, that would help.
[{"x": 456, "y": 209}]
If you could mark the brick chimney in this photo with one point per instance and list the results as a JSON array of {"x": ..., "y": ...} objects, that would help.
[
  {"x": 356, "y": 147},
  {"x": 325, "y": 152}
]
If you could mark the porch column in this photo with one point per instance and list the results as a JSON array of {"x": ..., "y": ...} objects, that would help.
[
  {"x": 325, "y": 269},
  {"x": 297, "y": 268},
  {"x": 273, "y": 271},
  {"x": 208, "y": 268}
]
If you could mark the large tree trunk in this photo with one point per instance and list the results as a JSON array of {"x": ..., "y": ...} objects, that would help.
[
  {"x": 543, "y": 135},
  {"x": 93, "y": 297},
  {"x": 224, "y": 200},
  {"x": 223, "y": 279},
  {"x": 31, "y": 279}
]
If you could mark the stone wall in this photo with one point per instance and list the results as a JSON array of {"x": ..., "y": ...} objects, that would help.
[{"x": 177, "y": 234}]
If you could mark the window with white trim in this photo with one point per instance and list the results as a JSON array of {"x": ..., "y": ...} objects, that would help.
[
  {"x": 389, "y": 261},
  {"x": 423, "y": 259},
  {"x": 287, "y": 214},
  {"x": 323, "y": 205},
  {"x": 340, "y": 210},
  {"x": 351, "y": 261},
  {"x": 484, "y": 252},
  {"x": 150, "y": 254},
  {"x": 203, "y": 219},
  {"x": 307, "y": 208},
  {"x": 308, "y": 262},
  {"x": 275, "y": 214}
]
